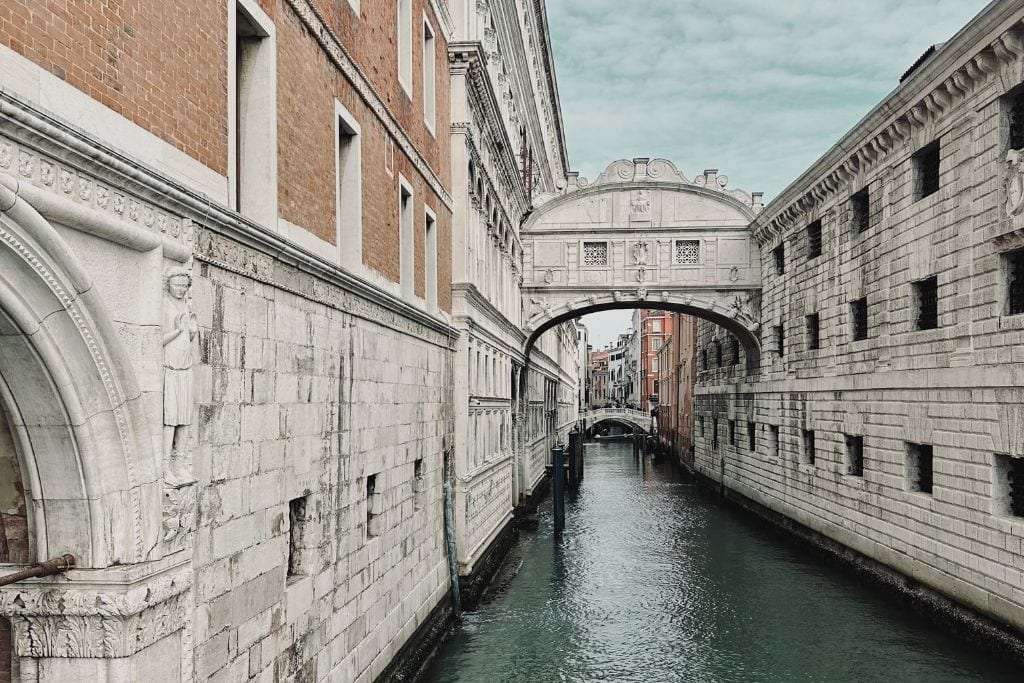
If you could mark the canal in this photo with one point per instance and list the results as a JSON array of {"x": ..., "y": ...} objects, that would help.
[{"x": 654, "y": 582}]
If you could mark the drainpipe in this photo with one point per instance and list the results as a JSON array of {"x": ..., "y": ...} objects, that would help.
[{"x": 48, "y": 568}]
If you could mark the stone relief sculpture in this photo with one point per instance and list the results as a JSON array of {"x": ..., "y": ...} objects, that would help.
[
  {"x": 1015, "y": 182},
  {"x": 640, "y": 253},
  {"x": 179, "y": 331},
  {"x": 640, "y": 203}
]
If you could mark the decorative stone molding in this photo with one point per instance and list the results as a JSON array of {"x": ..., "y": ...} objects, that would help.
[{"x": 96, "y": 620}]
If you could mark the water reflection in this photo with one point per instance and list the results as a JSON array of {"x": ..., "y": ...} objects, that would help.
[{"x": 652, "y": 582}]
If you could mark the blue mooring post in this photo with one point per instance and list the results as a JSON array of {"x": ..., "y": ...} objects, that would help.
[
  {"x": 574, "y": 458},
  {"x": 558, "y": 487}
]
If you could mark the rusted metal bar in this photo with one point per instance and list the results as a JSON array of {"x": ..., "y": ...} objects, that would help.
[{"x": 47, "y": 568}]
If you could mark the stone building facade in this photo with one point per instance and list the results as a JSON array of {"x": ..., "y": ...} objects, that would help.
[
  {"x": 677, "y": 360},
  {"x": 228, "y": 337},
  {"x": 885, "y": 412}
]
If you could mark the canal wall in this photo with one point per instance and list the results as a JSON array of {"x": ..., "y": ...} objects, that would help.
[{"x": 885, "y": 412}]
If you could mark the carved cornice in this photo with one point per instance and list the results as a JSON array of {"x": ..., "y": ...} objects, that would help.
[
  {"x": 541, "y": 14},
  {"x": 322, "y": 33},
  {"x": 941, "y": 84}
]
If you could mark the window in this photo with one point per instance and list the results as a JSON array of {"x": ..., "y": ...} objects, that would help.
[
  {"x": 430, "y": 259},
  {"x": 735, "y": 351},
  {"x": 254, "y": 115},
  {"x": 656, "y": 344},
  {"x": 859, "y": 319},
  {"x": 773, "y": 441},
  {"x": 807, "y": 456},
  {"x": 595, "y": 253},
  {"x": 700, "y": 425},
  {"x": 704, "y": 359},
  {"x": 778, "y": 337},
  {"x": 429, "y": 76},
  {"x": 349, "y": 190},
  {"x": 855, "y": 456},
  {"x": 405, "y": 45},
  {"x": 751, "y": 437},
  {"x": 1014, "y": 107},
  {"x": 718, "y": 353},
  {"x": 813, "y": 331},
  {"x": 861, "y": 206},
  {"x": 1013, "y": 276},
  {"x": 714, "y": 433},
  {"x": 814, "y": 240},
  {"x": 732, "y": 432},
  {"x": 1008, "y": 486},
  {"x": 374, "y": 507},
  {"x": 926, "y": 170},
  {"x": 918, "y": 469},
  {"x": 419, "y": 486},
  {"x": 687, "y": 252},
  {"x": 299, "y": 546},
  {"x": 926, "y": 303},
  {"x": 654, "y": 365},
  {"x": 655, "y": 393},
  {"x": 406, "y": 256},
  {"x": 779, "y": 254}
]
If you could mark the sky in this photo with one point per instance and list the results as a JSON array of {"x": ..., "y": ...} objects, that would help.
[{"x": 758, "y": 89}]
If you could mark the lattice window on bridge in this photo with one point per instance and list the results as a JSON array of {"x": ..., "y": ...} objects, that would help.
[
  {"x": 859, "y": 319},
  {"x": 854, "y": 455},
  {"x": 1008, "y": 485},
  {"x": 918, "y": 468},
  {"x": 595, "y": 253},
  {"x": 814, "y": 240},
  {"x": 1013, "y": 276},
  {"x": 808, "y": 453},
  {"x": 926, "y": 170},
  {"x": 687, "y": 252},
  {"x": 1013, "y": 105},
  {"x": 926, "y": 303}
]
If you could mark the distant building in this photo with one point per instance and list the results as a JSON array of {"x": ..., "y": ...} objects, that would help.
[
  {"x": 653, "y": 328},
  {"x": 677, "y": 361}
]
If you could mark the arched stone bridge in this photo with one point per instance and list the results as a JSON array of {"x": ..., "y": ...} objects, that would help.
[
  {"x": 634, "y": 418},
  {"x": 644, "y": 236}
]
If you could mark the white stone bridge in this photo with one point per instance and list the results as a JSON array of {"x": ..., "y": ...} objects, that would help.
[
  {"x": 634, "y": 418},
  {"x": 644, "y": 236}
]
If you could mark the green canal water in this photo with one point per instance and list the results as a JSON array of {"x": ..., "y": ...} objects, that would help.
[{"x": 653, "y": 582}]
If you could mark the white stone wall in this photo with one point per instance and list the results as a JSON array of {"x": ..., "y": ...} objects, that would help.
[{"x": 956, "y": 388}]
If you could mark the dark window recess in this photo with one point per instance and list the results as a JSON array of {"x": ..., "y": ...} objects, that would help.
[
  {"x": 1013, "y": 267},
  {"x": 861, "y": 205},
  {"x": 718, "y": 353},
  {"x": 919, "y": 467},
  {"x": 926, "y": 170},
  {"x": 859, "y": 319},
  {"x": 714, "y": 433},
  {"x": 703, "y": 359},
  {"x": 735, "y": 351},
  {"x": 1015, "y": 120},
  {"x": 814, "y": 240},
  {"x": 373, "y": 506},
  {"x": 773, "y": 440},
  {"x": 1009, "y": 485},
  {"x": 732, "y": 432},
  {"x": 296, "y": 536},
  {"x": 855, "y": 455},
  {"x": 751, "y": 437},
  {"x": 418, "y": 483},
  {"x": 779, "y": 339},
  {"x": 926, "y": 303},
  {"x": 700, "y": 424},
  {"x": 813, "y": 331},
  {"x": 808, "y": 446},
  {"x": 779, "y": 254}
]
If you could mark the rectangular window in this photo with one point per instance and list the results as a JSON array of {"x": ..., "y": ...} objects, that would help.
[
  {"x": 732, "y": 432},
  {"x": 918, "y": 469},
  {"x": 808, "y": 450},
  {"x": 419, "y": 486},
  {"x": 429, "y": 76},
  {"x": 926, "y": 170},
  {"x": 779, "y": 254},
  {"x": 406, "y": 255},
  {"x": 1013, "y": 277},
  {"x": 751, "y": 437},
  {"x": 298, "y": 545},
  {"x": 1008, "y": 486},
  {"x": 656, "y": 326},
  {"x": 859, "y": 319},
  {"x": 855, "y": 455},
  {"x": 714, "y": 433},
  {"x": 656, "y": 344},
  {"x": 813, "y": 331},
  {"x": 687, "y": 252},
  {"x": 926, "y": 303},
  {"x": 654, "y": 365},
  {"x": 814, "y": 240},
  {"x": 773, "y": 441},
  {"x": 703, "y": 359},
  {"x": 861, "y": 207},
  {"x": 718, "y": 353},
  {"x": 374, "y": 507},
  {"x": 700, "y": 425},
  {"x": 349, "y": 190},
  {"x": 405, "y": 45},
  {"x": 595, "y": 253},
  {"x": 655, "y": 389},
  {"x": 1013, "y": 105},
  {"x": 778, "y": 337},
  {"x": 430, "y": 259},
  {"x": 735, "y": 351}
]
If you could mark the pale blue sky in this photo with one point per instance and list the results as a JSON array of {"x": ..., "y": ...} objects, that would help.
[{"x": 758, "y": 89}]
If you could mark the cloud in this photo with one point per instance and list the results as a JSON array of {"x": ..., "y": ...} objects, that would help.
[{"x": 758, "y": 89}]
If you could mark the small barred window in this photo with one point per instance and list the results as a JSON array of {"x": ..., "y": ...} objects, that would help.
[
  {"x": 1013, "y": 272},
  {"x": 859, "y": 319},
  {"x": 1015, "y": 119},
  {"x": 813, "y": 331},
  {"x": 861, "y": 205},
  {"x": 926, "y": 302},
  {"x": 814, "y": 240},
  {"x": 595, "y": 253},
  {"x": 926, "y": 170},
  {"x": 779, "y": 255},
  {"x": 687, "y": 252},
  {"x": 854, "y": 456}
]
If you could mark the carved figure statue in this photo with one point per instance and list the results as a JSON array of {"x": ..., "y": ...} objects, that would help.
[
  {"x": 640, "y": 253},
  {"x": 179, "y": 330},
  {"x": 1015, "y": 182}
]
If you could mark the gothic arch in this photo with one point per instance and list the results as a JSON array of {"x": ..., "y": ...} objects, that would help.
[{"x": 68, "y": 388}]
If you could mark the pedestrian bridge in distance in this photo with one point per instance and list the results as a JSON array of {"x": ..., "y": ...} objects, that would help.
[
  {"x": 644, "y": 236},
  {"x": 637, "y": 419}
]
